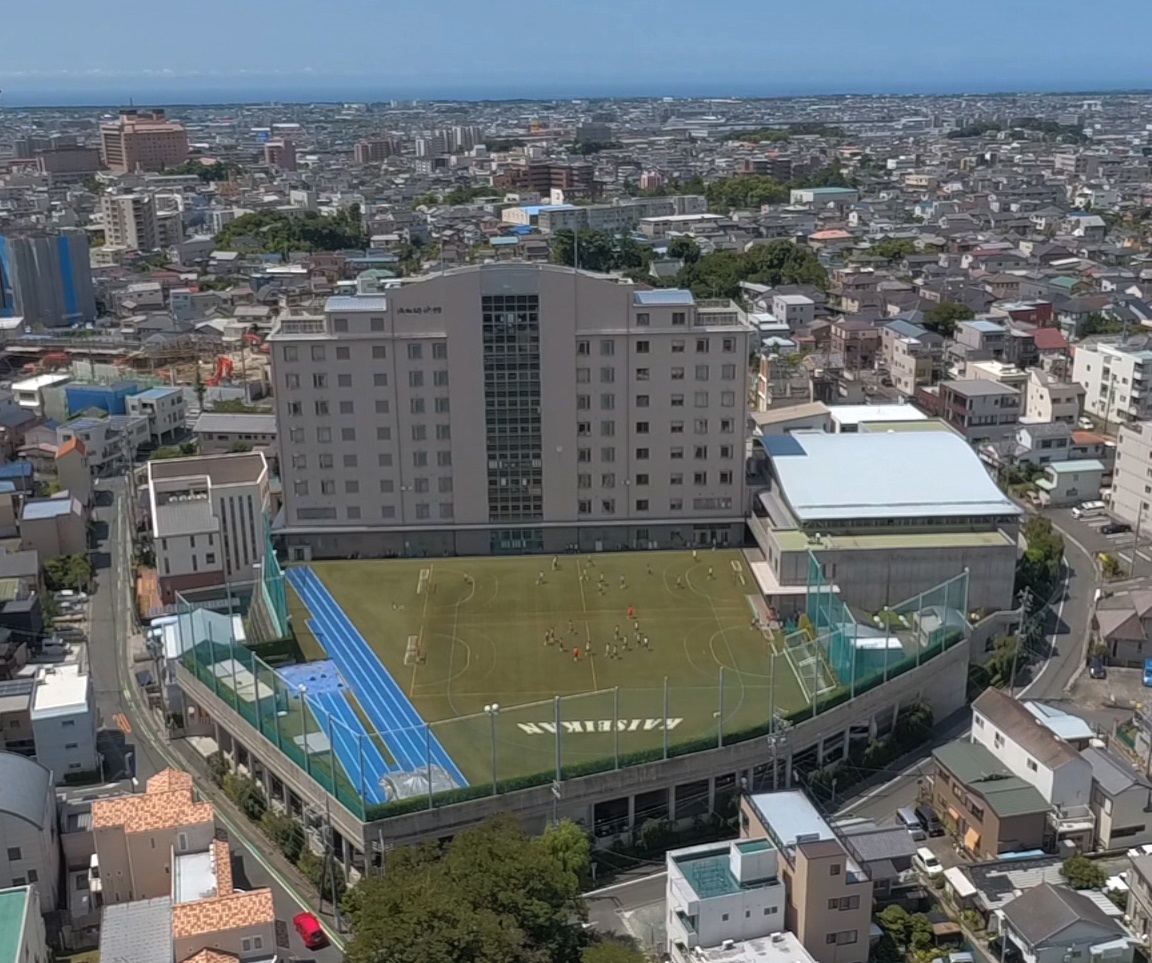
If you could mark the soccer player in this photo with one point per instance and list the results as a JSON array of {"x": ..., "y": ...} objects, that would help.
[{"x": 576, "y": 653}]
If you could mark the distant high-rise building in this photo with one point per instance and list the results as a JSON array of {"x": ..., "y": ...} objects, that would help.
[
  {"x": 143, "y": 141},
  {"x": 432, "y": 145},
  {"x": 465, "y": 138},
  {"x": 375, "y": 150},
  {"x": 594, "y": 133},
  {"x": 130, "y": 221},
  {"x": 47, "y": 279},
  {"x": 280, "y": 153},
  {"x": 651, "y": 181}
]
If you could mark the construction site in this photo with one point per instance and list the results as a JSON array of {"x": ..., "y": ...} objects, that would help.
[{"x": 176, "y": 360}]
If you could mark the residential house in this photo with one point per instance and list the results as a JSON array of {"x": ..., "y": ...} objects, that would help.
[
  {"x": 1122, "y": 622},
  {"x": 1140, "y": 897},
  {"x": 988, "y": 809},
  {"x": 73, "y": 471},
  {"x": 730, "y": 890},
  {"x": 981, "y": 411},
  {"x": 110, "y": 443},
  {"x": 1120, "y": 801},
  {"x": 54, "y": 526},
  {"x": 220, "y": 433},
  {"x": 30, "y": 852},
  {"x": 987, "y": 338},
  {"x": 1016, "y": 738},
  {"x": 857, "y": 342},
  {"x": 210, "y": 913},
  {"x": 794, "y": 310},
  {"x": 1054, "y": 924},
  {"x": 138, "y": 835},
  {"x": 21, "y": 912},
  {"x": 1070, "y": 482},
  {"x": 63, "y": 715},
  {"x": 164, "y": 409},
  {"x": 829, "y": 896},
  {"x": 1048, "y": 399}
]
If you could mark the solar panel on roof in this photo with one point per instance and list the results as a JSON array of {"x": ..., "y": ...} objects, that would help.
[{"x": 663, "y": 297}]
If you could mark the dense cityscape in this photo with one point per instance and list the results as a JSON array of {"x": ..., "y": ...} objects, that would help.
[{"x": 713, "y": 530}]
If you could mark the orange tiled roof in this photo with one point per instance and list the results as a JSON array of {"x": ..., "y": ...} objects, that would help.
[
  {"x": 223, "y": 853},
  {"x": 211, "y": 956},
  {"x": 170, "y": 780},
  {"x": 221, "y": 913},
  {"x": 72, "y": 444},
  {"x": 166, "y": 804}
]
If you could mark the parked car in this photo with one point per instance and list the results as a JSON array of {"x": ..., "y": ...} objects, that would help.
[
  {"x": 1088, "y": 509},
  {"x": 925, "y": 860},
  {"x": 1096, "y": 669},
  {"x": 310, "y": 931},
  {"x": 930, "y": 821},
  {"x": 1115, "y": 528},
  {"x": 1148, "y": 673}
]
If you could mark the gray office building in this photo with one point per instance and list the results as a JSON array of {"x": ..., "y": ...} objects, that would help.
[
  {"x": 510, "y": 408},
  {"x": 47, "y": 279}
]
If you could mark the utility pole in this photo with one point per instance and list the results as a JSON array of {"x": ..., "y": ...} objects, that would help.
[{"x": 1025, "y": 604}]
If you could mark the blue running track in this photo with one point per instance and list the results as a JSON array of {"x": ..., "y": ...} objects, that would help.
[{"x": 383, "y": 701}]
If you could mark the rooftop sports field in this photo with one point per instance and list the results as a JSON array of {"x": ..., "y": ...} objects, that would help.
[{"x": 644, "y": 649}]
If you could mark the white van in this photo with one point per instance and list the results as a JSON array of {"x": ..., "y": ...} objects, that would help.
[
  {"x": 1088, "y": 509},
  {"x": 925, "y": 860}
]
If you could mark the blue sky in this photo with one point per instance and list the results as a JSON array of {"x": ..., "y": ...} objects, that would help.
[{"x": 65, "y": 50}]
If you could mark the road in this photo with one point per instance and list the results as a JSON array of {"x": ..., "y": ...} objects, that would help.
[
  {"x": 131, "y": 757},
  {"x": 1069, "y": 632}
]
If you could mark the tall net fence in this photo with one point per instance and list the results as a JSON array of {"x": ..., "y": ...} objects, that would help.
[
  {"x": 824, "y": 657},
  {"x": 269, "y": 610}
]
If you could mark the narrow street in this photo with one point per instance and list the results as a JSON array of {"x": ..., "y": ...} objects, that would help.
[{"x": 134, "y": 749}]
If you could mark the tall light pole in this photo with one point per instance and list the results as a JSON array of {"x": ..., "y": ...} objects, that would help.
[{"x": 493, "y": 710}]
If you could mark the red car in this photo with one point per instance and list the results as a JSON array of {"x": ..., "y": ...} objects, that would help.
[{"x": 310, "y": 932}]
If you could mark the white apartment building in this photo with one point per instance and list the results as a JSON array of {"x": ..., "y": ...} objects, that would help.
[
  {"x": 164, "y": 409},
  {"x": 512, "y": 408},
  {"x": 64, "y": 721},
  {"x": 209, "y": 517},
  {"x": 730, "y": 890},
  {"x": 795, "y": 310},
  {"x": 130, "y": 221},
  {"x": 1048, "y": 399},
  {"x": 111, "y": 443},
  {"x": 1131, "y": 497},
  {"x": 1117, "y": 380}
]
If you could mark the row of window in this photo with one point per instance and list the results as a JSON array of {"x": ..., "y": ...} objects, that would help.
[
  {"x": 608, "y": 479},
  {"x": 701, "y": 372},
  {"x": 608, "y": 428},
  {"x": 382, "y": 406},
  {"x": 420, "y": 485},
  {"x": 319, "y": 352},
  {"x": 379, "y": 380},
  {"x": 700, "y": 399},
  {"x": 607, "y": 346},
  {"x": 607, "y": 506},
  {"x": 422, "y": 510}
]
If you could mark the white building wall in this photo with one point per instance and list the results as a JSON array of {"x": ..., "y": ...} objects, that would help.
[
  {"x": 1068, "y": 787},
  {"x": 39, "y": 854},
  {"x": 745, "y": 915},
  {"x": 66, "y": 739}
]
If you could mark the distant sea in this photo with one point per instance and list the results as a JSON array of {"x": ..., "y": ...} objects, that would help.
[{"x": 149, "y": 93}]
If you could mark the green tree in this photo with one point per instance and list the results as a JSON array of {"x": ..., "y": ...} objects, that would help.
[
  {"x": 1082, "y": 873},
  {"x": 943, "y": 317},
  {"x": 275, "y": 232},
  {"x": 893, "y": 248},
  {"x": 285, "y": 832},
  {"x": 1038, "y": 568},
  {"x": 684, "y": 249},
  {"x": 896, "y": 922},
  {"x": 1004, "y": 659},
  {"x": 67, "y": 572},
  {"x": 598, "y": 251},
  {"x": 210, "y": 172},
  {"x": 492, "y": 895},
  {"x": 922, "y": 937}
]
